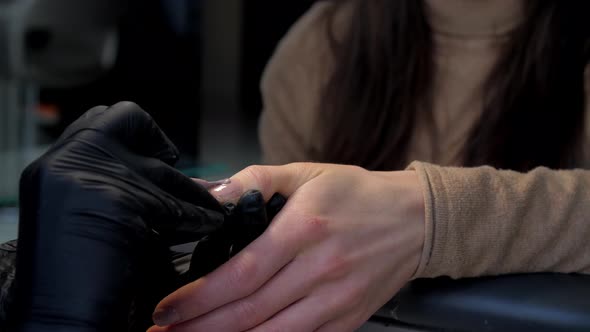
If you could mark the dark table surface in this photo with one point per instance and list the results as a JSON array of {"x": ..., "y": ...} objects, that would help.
[{"x": 538, "y": 302}]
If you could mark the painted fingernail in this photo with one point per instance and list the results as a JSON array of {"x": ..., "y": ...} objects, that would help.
[
  {"x": 227, "y": 192},
  {"x": 211, "y": 184},
  {"x": 165, "y": 316}
]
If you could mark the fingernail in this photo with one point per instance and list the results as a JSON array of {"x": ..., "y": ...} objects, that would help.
[
  {"x": 165, "y": 316},
  {"x": 211, "y": 184},
  {"x": 227, "y": 192}
]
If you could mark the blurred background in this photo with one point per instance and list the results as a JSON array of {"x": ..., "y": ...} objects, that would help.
[{"x": 195, "y": 65}]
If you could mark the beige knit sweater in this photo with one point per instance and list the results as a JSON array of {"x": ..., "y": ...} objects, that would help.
[{"x": 479, "y": 221}]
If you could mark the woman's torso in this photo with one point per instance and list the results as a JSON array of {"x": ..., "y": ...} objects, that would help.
[{"x": 468, "y": 38}]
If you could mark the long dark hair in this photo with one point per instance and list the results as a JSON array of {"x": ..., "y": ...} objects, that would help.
[{"x": 534, "y": 99}]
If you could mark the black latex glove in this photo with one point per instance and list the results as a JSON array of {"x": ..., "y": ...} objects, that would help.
[
  {"x": 96, "y": 212},
  {"x": 244, "y": 223}
]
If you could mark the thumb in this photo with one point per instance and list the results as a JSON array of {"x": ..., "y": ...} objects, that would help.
[{"x": 269, "y": 180}]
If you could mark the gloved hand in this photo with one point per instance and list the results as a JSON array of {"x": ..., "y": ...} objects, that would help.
[
  {"x": 97, "y": 212},
  {"x": 244, "y": 223}
]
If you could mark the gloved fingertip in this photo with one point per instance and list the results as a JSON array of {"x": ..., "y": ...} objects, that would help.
[
  {"x": 251, "y": 201},
  {"x": 275, "y": 205}
]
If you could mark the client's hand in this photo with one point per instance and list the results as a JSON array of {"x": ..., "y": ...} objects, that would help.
[
  {"x": 345, "y": 243},
  {"x": 94, "y": 210}
]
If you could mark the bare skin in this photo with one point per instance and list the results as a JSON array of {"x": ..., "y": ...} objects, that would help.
[{"x": 345, "y": 243}]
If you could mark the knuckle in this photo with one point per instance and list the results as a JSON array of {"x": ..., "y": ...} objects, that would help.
[
  {"x": 30, "y": 176},
  {"x": 303, "y": 170},
  {"x": 128, "y": 105},
  {"x": 44, "y": 170},
  {"x": 315, "y": 227},
  {"x": 242, "y": 274},
  {"x": 247, "y": 314},
  {"x": 132, "y": 109},
  {"x": 261, "y": 176},
  {"x": 335, "y": 267},
  {"x": 354, "y": 297}
]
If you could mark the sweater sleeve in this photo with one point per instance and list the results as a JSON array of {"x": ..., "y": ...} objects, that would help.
[
  {"x": 484, "y": 221},
  {"x": 291, "y": 86}
]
